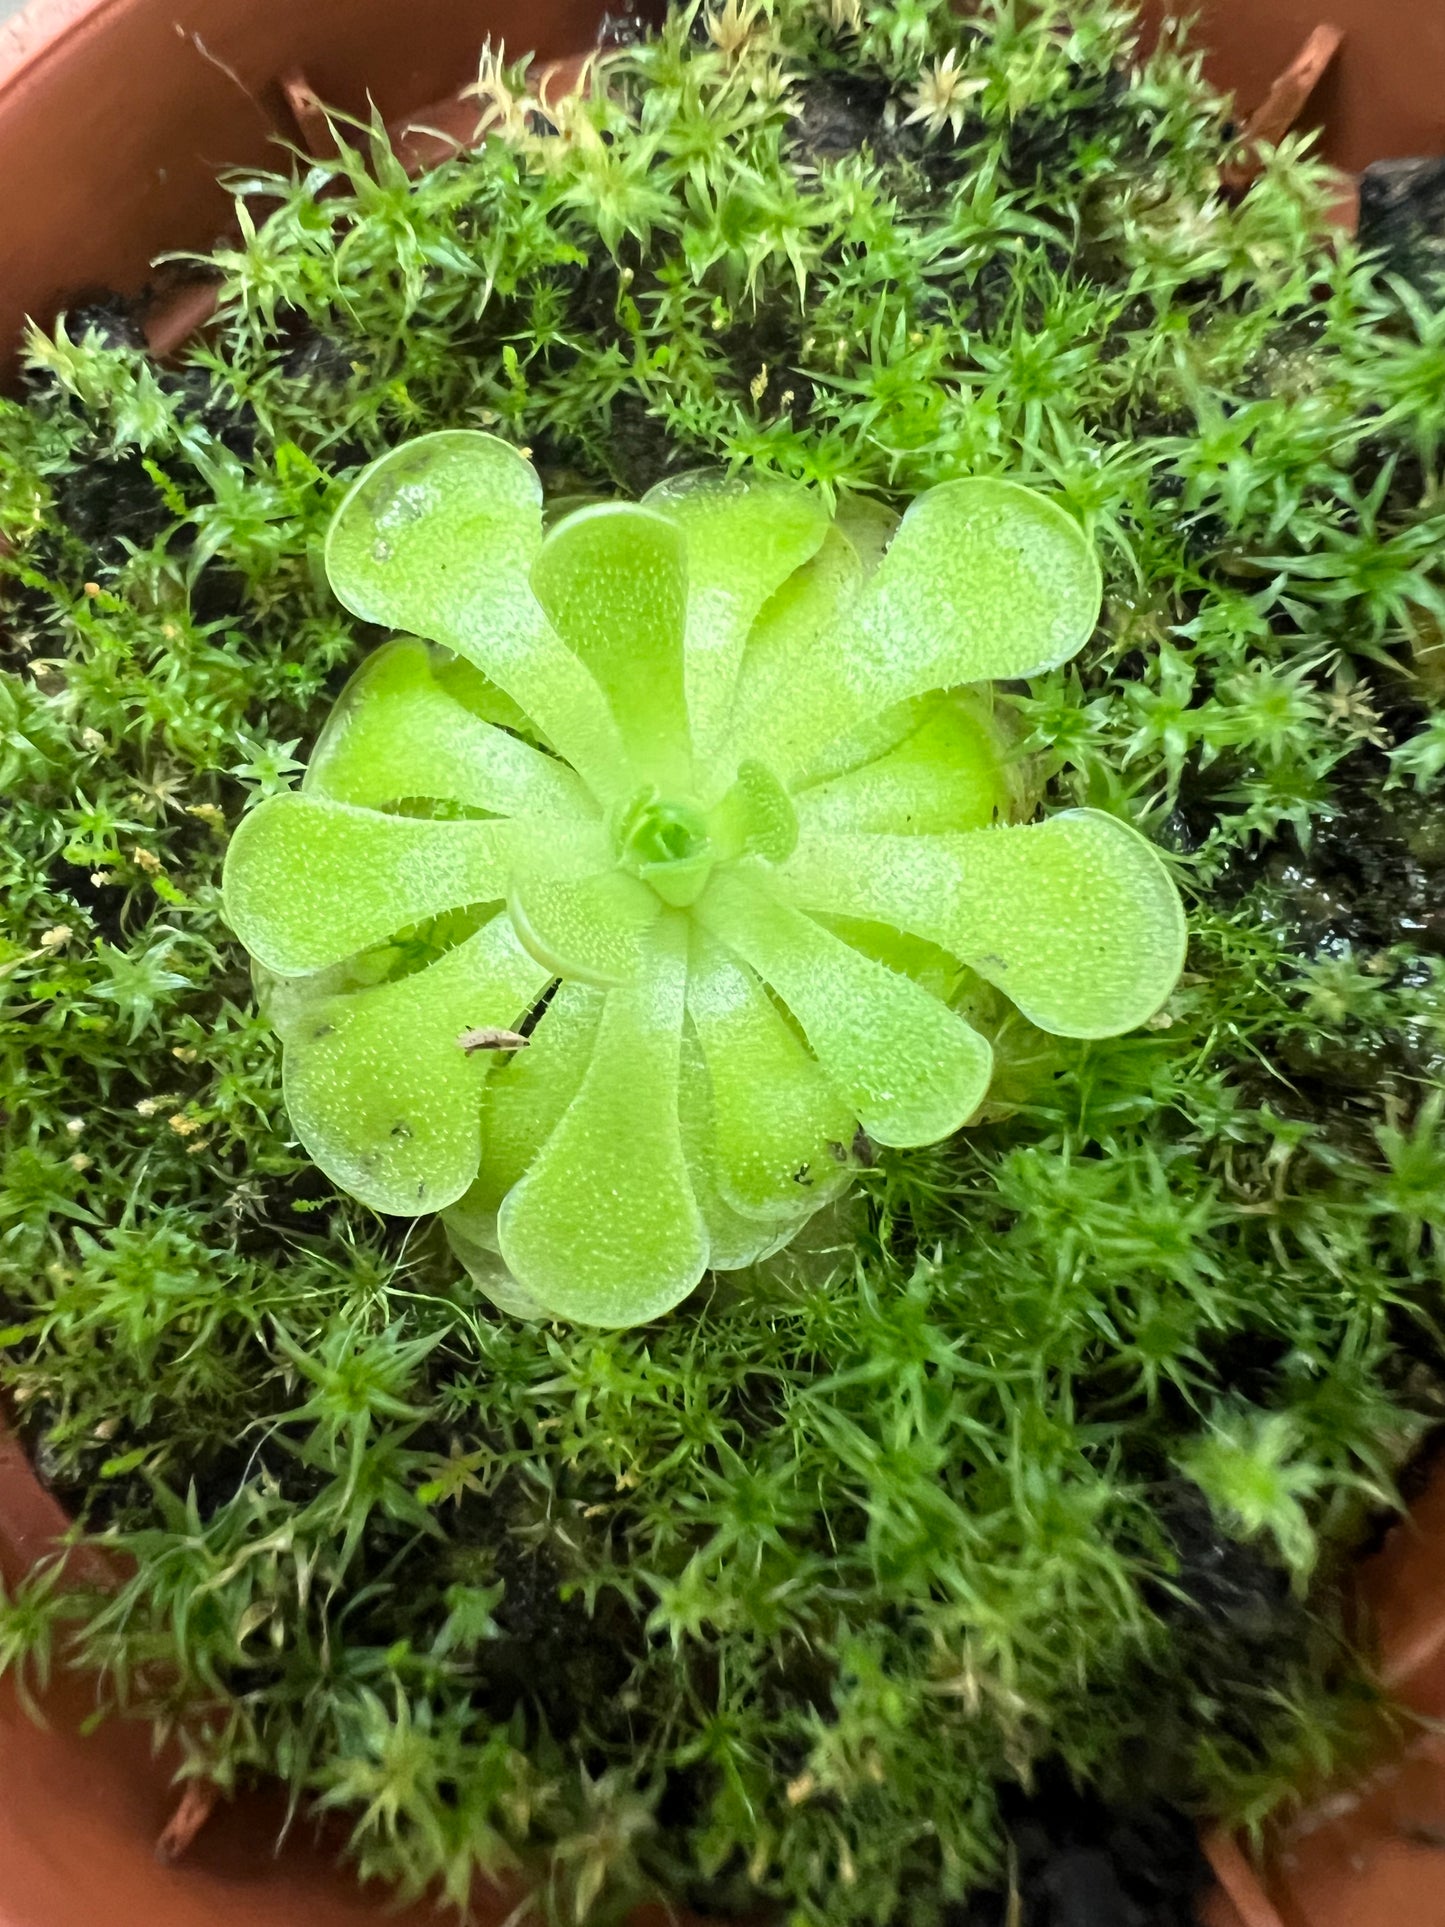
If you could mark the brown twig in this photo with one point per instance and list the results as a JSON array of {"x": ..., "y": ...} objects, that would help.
[
  {"x": 309, "y": 114},
  {"x": 1282, "y": 106},
  {"x": 197, "y": 1804}
]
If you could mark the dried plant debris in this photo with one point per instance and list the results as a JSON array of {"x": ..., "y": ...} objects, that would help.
[{"x": 787, "y": 1598}]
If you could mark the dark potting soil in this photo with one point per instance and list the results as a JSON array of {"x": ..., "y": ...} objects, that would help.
[
  {"x": 1402, "y": 212},
  {"x": 1084, "y": 1859},
  {"x": 549, "y": 1657},
  {"x": 109, "y": 502},
  {"x": 1078, "y": 1863},
  {"x": 1223, "y": 1589},
  {"x": 1372, "y": 877},
  {"x": 836, "y": 115}
]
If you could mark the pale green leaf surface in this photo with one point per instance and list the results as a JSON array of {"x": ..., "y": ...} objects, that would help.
[
  {"x": 744, "y": 540},
  {"x": 735, "y": 1238},
  {"x": 473, "y": 1239},
  {"x": 1076, "y": 919},
  {"x": 395, "y": 733},
  {"x": 465, "y": 683},
  {"x": 591, "y": 927},
  {"x": 613, "y": 582},
  {"x": 911, "y": 1070},
  {"x": 308, "y": 881},
  {"x": 782, "y": 1132},
  {"x": 926, "y": 963},
  {"x": 984, "y": 579},
  {"x": 755, "y": 818},
  {"x": 378, "y": 1087},
  {"x": 948, "y": 775},
  {"x": 873, "y": 737},
  {"x": 604, "y": 1228},
  {"x": 868, "y": 525},
  {"x": 786, "y": 638},
  {"x": 436, "y": 538},
  {"x": 525, "y": 1098}
]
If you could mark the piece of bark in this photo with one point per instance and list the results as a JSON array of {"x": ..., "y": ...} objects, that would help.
[
  {"x": 309, "y": 115},
  {"x": 1281, "y": 106},
  {"x": 195, "y": 1807}
]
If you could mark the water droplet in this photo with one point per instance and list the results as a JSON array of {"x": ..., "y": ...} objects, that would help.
[
  {"x": 405, "y": 503},
  {"x": 381, "y": 550}
]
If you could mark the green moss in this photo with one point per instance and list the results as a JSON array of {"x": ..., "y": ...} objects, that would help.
[{"x": 775, "y": 1595}]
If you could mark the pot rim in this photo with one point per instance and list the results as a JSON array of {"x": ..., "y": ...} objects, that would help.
[{"x": 40, "y": 32}]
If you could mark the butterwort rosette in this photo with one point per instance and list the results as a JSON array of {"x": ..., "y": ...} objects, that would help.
[{"x": 595, "y": 922}]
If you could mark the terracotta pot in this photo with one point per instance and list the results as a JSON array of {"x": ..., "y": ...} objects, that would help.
[
  {"x": 1370, "y": 1854},
  {"x": 1382, "y": 98},
  {"x": 114, "y": 116}
]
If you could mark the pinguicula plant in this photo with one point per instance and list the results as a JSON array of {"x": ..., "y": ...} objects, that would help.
[{"x": 656, "y": 859}]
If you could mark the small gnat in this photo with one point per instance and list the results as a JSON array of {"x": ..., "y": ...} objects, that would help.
[{"x": 490, "y": 1037}]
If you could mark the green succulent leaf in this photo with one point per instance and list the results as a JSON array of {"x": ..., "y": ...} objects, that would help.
[
  {"x": 604, "y": 1227},
  {"x": 592, "y": 927},
  {"x": 735, "y": 1238},
  {"x": 378, "y": 1084},
  {"x": 947, "y": 774},
  {"x": 308, "y": 882},
  {"x": 473, "y": 1239},
  {"x": 869, "y": 525},
  {"x": 613, "y": 581},
  {"x": 744, "y": 539},
  {"x": 910, "y": 1068},
  {"x": 437, "y": 538},
  {"x": 782, "y": 1133},
  {"x": 984, "y": 579},
  {"x": 396, "y": 734},
  {"x": 522, "y": 1103},
  {"x": 865, "y": 742},
  {"x": 477, "y": 693},
  {"x": 1076, "y": 919},
  {"x": 525, "y": 1098},
  {"x": 791, "y": 629},
  {"x": 756, "y": 817}
]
